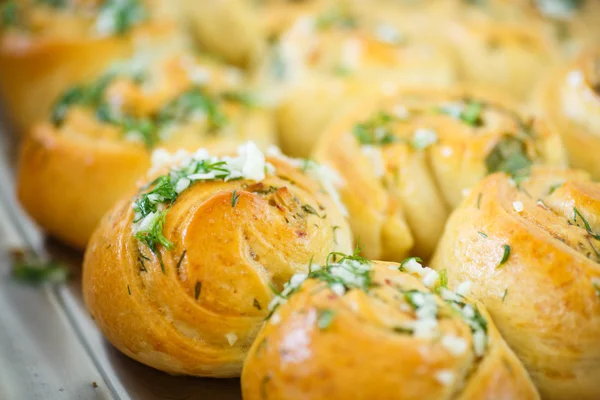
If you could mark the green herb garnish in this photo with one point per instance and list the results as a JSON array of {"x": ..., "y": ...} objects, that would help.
[
  {"x": 376, "y": 131},
  {"x": 197, "y": 289},
  {"x": 505, "y": 255},
  {"x": 342, "y": 272},
  {"x": 30, "y": 269},
  {"x": 483, "y": 235},
  {"x": 90, "y": 95},
  {"x": 256, "y": 305},
  {"x": 586, "y": 224},
  {"x": 244, "y": 98},
  {"x": 469, "y": 111},
  {"x": 509, "y": 156},
  {"x": 234, "y": 198},
  {"x": 190, "y": 103},
  {"x": 119, "y": 16},
  {"x": 325, "y": 318},
  {"x": 54, "y": 3},
  {"x": 9, "y": 13}
]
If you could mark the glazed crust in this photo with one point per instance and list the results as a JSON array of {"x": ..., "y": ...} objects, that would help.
[
  {"x": 399, "y": 196},
  {"x": 294, "y": 358},
  {"x": 77, "y": 178},
  {"x": 77, "y": 170},
  {"x": 338, "y": 65},
  {"x": 200, "y": 316},
  {"x": 544, "y": 297},
  {"x": 249, "y": 25},
  {"x": 34, "y": 72},
  {"x": 570, "y": 101}
]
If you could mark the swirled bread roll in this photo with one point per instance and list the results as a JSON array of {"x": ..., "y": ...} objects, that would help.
[
  {"x": 336, "y": 55},
  {"x": 180, "y": 280},
  {"x": 46, "y": 46},
  {"x": 532, "y": 252},
  {"x": 501, "y": 48},
  {"x": 408, "y": 159},
  {"x": 359, "y": 330},
  {"x": 100, "y": 135},
  {"x": 249, "y": 24},
  {"x": 570, "y": 102}
]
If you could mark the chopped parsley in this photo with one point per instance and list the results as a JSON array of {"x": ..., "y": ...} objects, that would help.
[
  {"x": 596, "y": 285},
  {"x": 33, "y": 270},
  {"x": 234, "y": 198},
  {"x": 119, "y": 16},
  {"x": 244, "y": 98},
  {"x": 505, "y": 255},
  {"x": 191, "y": 103},
  {"x": 188, "y": 105},
  {"x": 554, "y": 187},
  {"x": 256, "y": 305},
  {"x": 9, "y": 13},
  {"x": 375, "y": 131},
  {"x": 443, "y": 279},
  {"x": 509, "y": 156},
  {"x": 54, "y": 3},
  {"x": 483, "y": 235},
  {"x": 586, "y": 224},
  {"x": 469, "y": 111},
  {"x": 504, "y": 294},
  {"x": 151, "y": 208},
  {"x": 325, "y": 318},
  {"x": 90, "y": 95},
  {"x": 197, "y": 289},
  {"x": 341, "y": 273}
]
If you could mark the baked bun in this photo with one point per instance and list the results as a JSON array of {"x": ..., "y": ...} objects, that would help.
[
  {"x": 501, "y": 48},
  {"x": 360, "y": 330},
  {"x": 179, "y": 277},
  {"x": 249, "y": 24},
  {"x": 408, "y": 159},
  {"x": 47, "y": 46},
  {"x": 570, "y": 101},
  {"x": 532, "y": 252},
  {"x": 337, "y": 55},
  {"x": 100, "y": 136}
]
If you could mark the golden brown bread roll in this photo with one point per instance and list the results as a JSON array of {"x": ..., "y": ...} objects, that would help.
[
  {"x": 249, "y": 24},
  {"x": 532, "y": 253},
  {"x": 502, "y": 49},
  {"x": 100, "y": 135},
  {"x": 360, "y": 330},
  {"x": 570, "y": 101},
  {"x": 408, "y": 159},
  {"x": 179, "y": 278},
  {"x": 47, "y": 46},
  {"x": 336, "y": 55}
]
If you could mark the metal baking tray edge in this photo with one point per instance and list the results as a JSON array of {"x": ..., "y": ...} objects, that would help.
[{"x": 49, "y": 346}]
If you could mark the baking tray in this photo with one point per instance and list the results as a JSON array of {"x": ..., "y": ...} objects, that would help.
[{"x": 49, "y": 345}]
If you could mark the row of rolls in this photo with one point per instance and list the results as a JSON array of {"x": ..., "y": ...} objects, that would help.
[{"x": 463, "y": 135}]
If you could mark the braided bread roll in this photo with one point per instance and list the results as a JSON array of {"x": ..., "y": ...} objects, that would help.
[
  {"x": 532, "y": 253},
  {"x": 408, "y": 159},
  {"x": 570, "y": 101},
  {"x": 45, "y": 48},
  {"x": 337, "y": 55},
  {"x": 185, "y": 288},
  {"x": 367, "y": 331},
  {"x": 100, "y": 136}
]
